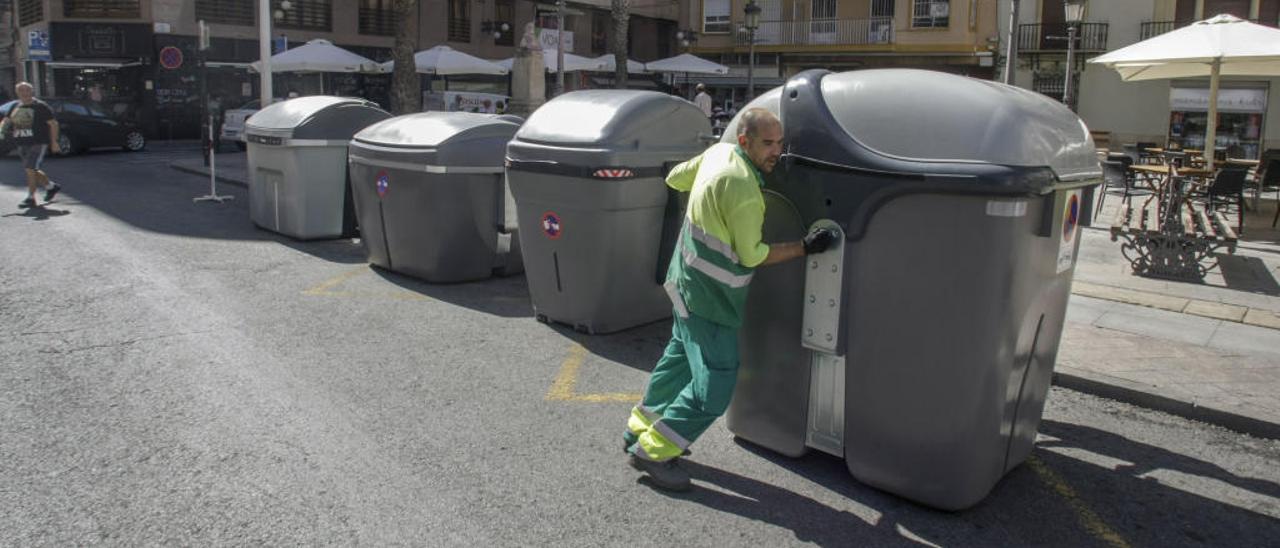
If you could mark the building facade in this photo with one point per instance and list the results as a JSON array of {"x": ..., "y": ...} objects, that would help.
[
  {"x": 141, "y": 56},
  {"x": 1171, "y": 113},
  {"x": 957, "y": 36}
]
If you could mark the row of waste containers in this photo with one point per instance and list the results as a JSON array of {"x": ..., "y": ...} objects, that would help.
[{"x": 919, "y": 349}]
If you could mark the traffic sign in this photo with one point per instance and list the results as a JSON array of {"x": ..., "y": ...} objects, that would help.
[{"x": 170, "y": 57}]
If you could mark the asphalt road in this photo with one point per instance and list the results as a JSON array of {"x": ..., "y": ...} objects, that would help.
[{"x": 171, "y": 375}]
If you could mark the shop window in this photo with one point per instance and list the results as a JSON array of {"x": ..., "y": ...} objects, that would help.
[
  {"x": 228, "y": 12},
  {"x": 601, "y": 23},
  {"x": 305, "y": 15},
  {"x": 30, "y": 11},
  {"x": 459, "y": 20},
  {"x": 377, "y": 17},
  {"x": 504, "y": 11},
  {"x": 931, "y": 13},
  {"x": 715, "y": 15},
  {"x": 102, "y": 9}
]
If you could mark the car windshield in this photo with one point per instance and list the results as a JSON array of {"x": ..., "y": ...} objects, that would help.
[{"x": 251, "y": 105}]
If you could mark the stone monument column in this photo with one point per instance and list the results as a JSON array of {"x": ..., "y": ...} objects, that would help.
[{"x": 528, "y": 75}]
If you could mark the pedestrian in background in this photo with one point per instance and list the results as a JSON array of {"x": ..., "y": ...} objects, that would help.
[
  {"x": 719, "y": 248},
  {"x": 34, "y": 129},
  {"x": 702, "y": 100}
]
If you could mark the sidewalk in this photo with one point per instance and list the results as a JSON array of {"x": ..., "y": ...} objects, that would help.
[{"x": 1207, "y": 351}]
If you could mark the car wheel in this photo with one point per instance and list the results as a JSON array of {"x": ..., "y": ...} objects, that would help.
[
  {"x": 134, "y": 141},
  {"x": 66, "y": 145},
  {"x": 241, "y": 146}
]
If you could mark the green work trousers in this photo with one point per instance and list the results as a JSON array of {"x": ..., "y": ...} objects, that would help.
[{"x": 690, "y": 387}]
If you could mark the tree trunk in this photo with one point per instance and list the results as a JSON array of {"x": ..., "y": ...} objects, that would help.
[
  {"x": 406, "y": 95},
  {"x": 620, "y": 12}
]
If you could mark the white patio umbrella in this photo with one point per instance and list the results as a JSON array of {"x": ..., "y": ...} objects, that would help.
[
  {"x": 572, "y": 63},
  {"x": 1219, "y": 46},
  {"x": 446, "y": 61},
  {"x": 610, "y": 65},
  {"x": 687, "y": 63},
  {"x": 317, "y": 56}
]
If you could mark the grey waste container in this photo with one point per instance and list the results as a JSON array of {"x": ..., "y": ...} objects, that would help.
[
  {"x": 298, "y": 164},
  {"x": 431, "y": 198},
  {"x": 596, "y": 226},
  {"x": 920, "y": 349}
]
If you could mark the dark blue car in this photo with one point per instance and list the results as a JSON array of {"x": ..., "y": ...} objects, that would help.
[{"x": 84, "y": 125}]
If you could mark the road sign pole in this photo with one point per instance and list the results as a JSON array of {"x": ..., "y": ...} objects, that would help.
[{"x": 209, "y": 143}]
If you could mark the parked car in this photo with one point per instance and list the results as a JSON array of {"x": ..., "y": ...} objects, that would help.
[
  {"x": 84, "y": 125},
  {"x": 233, "y": 122}
]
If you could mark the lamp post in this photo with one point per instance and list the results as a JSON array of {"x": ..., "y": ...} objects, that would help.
[
  {"x": 687, "y": 38},
  {"x": 495, "y": 28},
  {"x": 264, "y": 46},
  {"x": 751, "y": 23},
  {"x": 1074, "y": 15}
]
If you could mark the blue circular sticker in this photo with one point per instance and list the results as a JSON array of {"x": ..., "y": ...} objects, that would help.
[
  {"x": 551, "y": 225},
  {"x": 382, "y": 182},
  {"x": 1072, "y": 218}
]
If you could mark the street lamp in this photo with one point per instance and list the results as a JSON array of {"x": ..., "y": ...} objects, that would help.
[
  {"x": 752, "y": 22},
  {"x": 497, "y": 28},
  {"x": 264, "y": 46},
  {"x": 1074, "y": 15},
  {"x": 686, "y": 37}
]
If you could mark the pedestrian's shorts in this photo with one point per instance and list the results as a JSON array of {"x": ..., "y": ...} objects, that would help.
[{"x": 32, "y": 155}]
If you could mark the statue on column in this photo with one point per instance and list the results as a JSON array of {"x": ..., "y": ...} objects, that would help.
[{"x": 528, "y": 75}]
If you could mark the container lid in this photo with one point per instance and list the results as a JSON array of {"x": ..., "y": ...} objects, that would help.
[
  {"x": 616, "y": 119},
  {"x": 296, "y": 113},
  {"x": 939, "y": 117},
  {"x": 436, "y": 129}
]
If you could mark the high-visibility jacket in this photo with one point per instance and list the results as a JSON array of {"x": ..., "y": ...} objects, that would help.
[{"x": 720, "y": 244}]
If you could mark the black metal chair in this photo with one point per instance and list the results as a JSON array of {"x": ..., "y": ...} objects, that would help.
[
  {"x": 1114, "y": 174},
  {"x": 1145, "y": 157},
  {"x": 1175, "y": 158},
  {"x": 1226, "y": 189}
]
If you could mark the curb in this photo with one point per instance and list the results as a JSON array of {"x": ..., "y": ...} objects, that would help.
[
  {"x": 202, "y": 171},
  {"x": 1256, "y": 317},
  {"x": 1130, "y": 392}
]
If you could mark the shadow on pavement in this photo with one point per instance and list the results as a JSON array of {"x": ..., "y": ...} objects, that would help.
[
  {"x": 1250, "y": 274},
  {"x": 638, "y": 347},
  {"x": 143, "y": 192},
  {"x": 39, "y": 213},
  {"x": 1145, "y": 458},
  {"x": 507, "y": 297}
]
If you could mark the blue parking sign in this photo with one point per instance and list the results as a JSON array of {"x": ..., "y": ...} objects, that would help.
[{"x": 38, "y": 45}]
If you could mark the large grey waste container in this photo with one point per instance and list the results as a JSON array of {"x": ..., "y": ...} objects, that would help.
[
  {"x": 920, "y": 349},
  {"x": 431, "y": 198},
  {"x": 298, "y": 164},
  {"x": 596, "y": 226}
]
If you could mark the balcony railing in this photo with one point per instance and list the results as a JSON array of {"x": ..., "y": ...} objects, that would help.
[
  {"x": 845, "y": 32},
  {"x": 1053, "y": 37},
  {"x": 1151, "y": 29}
]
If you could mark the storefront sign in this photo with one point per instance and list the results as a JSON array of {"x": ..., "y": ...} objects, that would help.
[
  {"x": 90, "y": 40},
  {"x": 1229, "y": 99},
  {"x": 549, "y": 38},
  {"x": 38, "y": 45}
]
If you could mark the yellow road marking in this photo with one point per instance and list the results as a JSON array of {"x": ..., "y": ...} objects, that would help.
[
  {"x": 1086, "y": 516},
  {"x": 563, "y": 389},
  {"x": 327, "y": 288}
]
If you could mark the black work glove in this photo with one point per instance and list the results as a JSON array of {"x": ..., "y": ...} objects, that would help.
[{"x": 818, "y": 241}]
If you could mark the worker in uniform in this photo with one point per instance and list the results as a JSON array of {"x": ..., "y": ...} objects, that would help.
[{"x": 719, "y": 248}]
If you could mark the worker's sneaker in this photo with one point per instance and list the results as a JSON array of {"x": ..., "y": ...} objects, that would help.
[
  {"x": 667, "y": 474},
  {"x": 54, "y": 188},
  {"x": 626, "y": 448},
  {"x": 29, "y": 202}
]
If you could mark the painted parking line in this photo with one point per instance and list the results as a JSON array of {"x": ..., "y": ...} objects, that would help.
[
  {"x": 333, "y": 288},
  {"x": 565, "y": 386},
  {"x": 1086, "y": 516}
]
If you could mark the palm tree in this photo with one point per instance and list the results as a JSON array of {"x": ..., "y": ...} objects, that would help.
[
  {"x": 619, "y": 11},
  {"x": 405, "y": 95}
]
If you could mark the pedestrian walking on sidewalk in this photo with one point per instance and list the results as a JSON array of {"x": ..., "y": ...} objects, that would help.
[
  {"x": 34, "y": 129},
  {"x": 720, "y": 246},
  {"x": 702, "y": 100}
]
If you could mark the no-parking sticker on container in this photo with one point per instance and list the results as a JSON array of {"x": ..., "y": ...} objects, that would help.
[
  {"x": 382, "y": 182},
  {"x": 551, "y": 225},
  {"x": 1070, "y": 224}
]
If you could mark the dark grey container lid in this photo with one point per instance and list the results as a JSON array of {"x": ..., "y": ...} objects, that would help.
[
  {"x": 616, "y": 119},
  {"x": 436, "y": 130}
]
